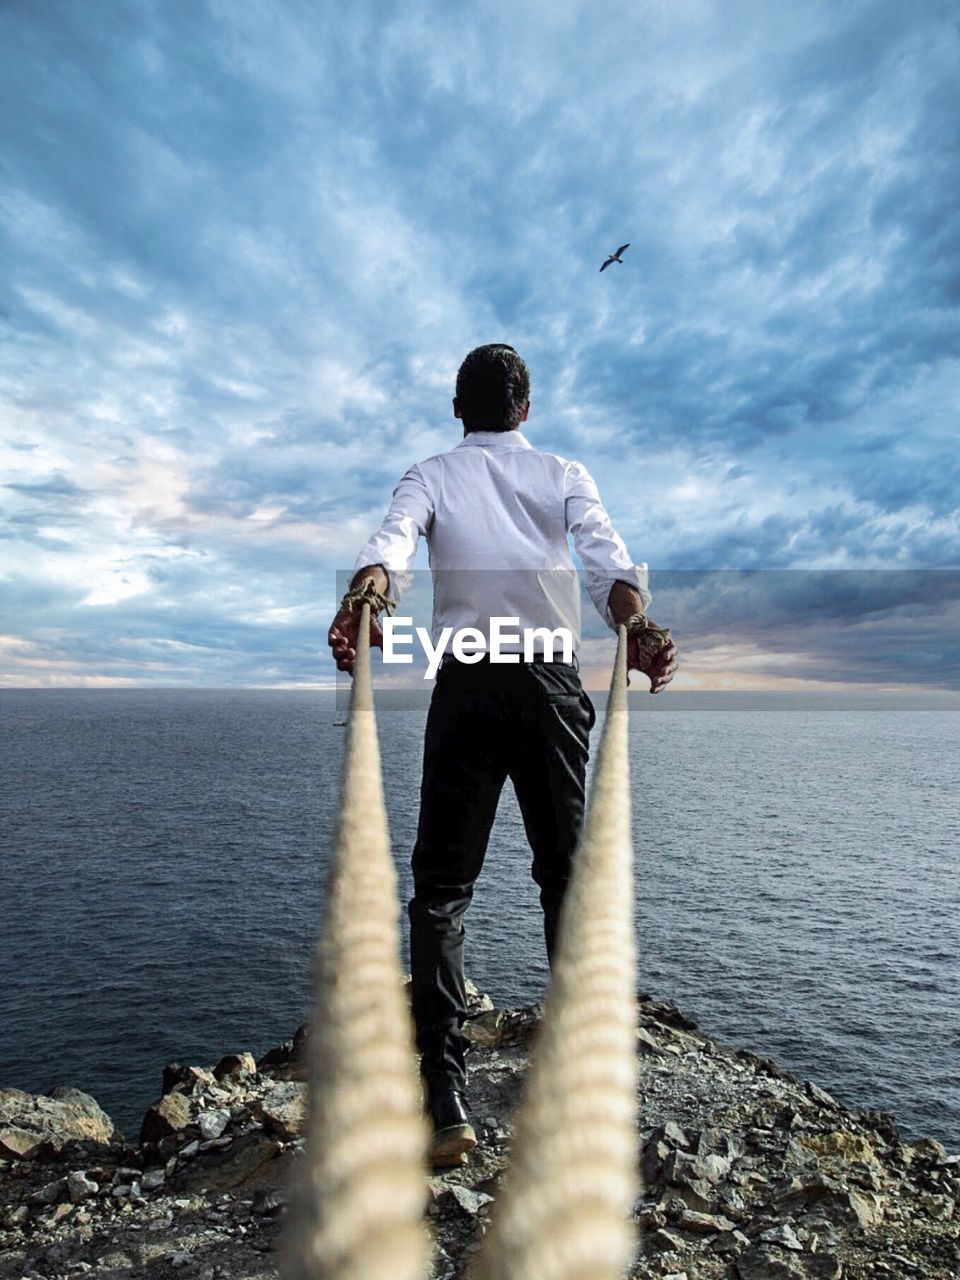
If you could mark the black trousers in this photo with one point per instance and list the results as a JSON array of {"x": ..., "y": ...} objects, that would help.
[{"x": 530, "y": 722}]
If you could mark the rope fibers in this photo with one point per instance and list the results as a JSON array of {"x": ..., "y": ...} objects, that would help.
[{"x": 356, "y": 1210}]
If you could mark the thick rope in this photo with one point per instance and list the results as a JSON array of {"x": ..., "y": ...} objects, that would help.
[
  {"x": 357, "y": 1205},
  {"x": 566, "y": 1209}
]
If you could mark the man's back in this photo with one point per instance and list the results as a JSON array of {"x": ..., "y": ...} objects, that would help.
[{"x": 495, "y": 512}]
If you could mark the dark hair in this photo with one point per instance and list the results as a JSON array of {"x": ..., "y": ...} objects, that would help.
[{"x": 493, "y": 388}]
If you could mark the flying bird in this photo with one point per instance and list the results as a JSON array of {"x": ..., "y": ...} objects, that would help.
[{"x": 615, "y": 257}]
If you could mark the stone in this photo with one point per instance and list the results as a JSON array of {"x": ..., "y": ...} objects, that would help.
[
  {"x": 839, "y": 1144},
  {"x": 17, "y": 1143},
  {"x": 801, "y": 1191},
  {"x": 783, "y": 1235},
  {"x": 52, "y": 1120},
  {"x": 929, "y": 1149},
  {"x": 486, "y": 1029},
  {"x": 49, "y": 1193},
  {"x": 823, "y": 1266},
  {"x": 705, "y": 1223},
  {"x": 212, "y": 1123},
  {"x": 153, "y": 1179},
  {"x": 283, "y": 1109},
  {"x": 762, "y": 1262},
  {"x": 655, "y": 1155},
  {"x": 186, "y": 1079},
  {"x": 16, "y": 1217},
  {"x": 170, "y": 1115},
  {"x": 939, "y": 1207},
  {"x": 468, "y": 1200},
  {"x": 667, "y": 1014},
  {"x": 189, "y": 1149},
  {"x": 288, "y": 1061},
  {"x": 647, "y": 1044},
  {"x": 236, "y": 1066},
  {"x": 80, "y": 1187},
  {"x": 664, "y": 1242},
  {"x": 269, "y": 1200},
  {"x": 865, "y": 1206},
  {"x": 233, "y": 1166},
  {"x": 477, "y": 1001}
]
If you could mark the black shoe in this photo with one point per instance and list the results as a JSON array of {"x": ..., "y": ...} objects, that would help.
[{"x": 453, "y": 1134}]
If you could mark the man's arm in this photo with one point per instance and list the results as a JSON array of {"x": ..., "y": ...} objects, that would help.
[
  {"x": 386, "y": 561},
  {"x": 617, "y": 587}
]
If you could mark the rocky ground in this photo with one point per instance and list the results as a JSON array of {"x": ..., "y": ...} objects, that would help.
[{"x": 749, "y": 1174}]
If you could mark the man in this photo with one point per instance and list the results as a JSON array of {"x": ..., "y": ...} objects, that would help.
[{"x": 496, "y": 513}]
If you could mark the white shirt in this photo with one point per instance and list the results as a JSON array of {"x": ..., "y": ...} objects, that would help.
[{"x": 496, "y": 513}]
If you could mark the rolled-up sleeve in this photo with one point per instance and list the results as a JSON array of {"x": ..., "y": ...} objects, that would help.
[
  {"x": 394, "y": 545},
  {"x": 602, "y": 551}
]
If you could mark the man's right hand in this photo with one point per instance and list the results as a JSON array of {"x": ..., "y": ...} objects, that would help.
[
  {"x": 344, "y": 634},
  {"x": 345, "y": 628}
]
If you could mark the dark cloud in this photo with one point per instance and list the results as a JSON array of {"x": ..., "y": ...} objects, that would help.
[{"x": 247, "y": 247}]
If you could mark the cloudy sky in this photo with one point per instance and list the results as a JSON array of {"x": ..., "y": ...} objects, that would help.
[{"x": 245, "y": 244}]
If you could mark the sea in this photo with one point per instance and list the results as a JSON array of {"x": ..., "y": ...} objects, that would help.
[{"x": 163, "y": 858}]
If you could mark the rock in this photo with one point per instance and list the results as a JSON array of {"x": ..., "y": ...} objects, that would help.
[
  {"x": 663, "y": 1241},
  {"x": 698, "y": 1172},
  {"x": 186, "y": 1079},
  {"x": 782, "y": 1235},
  {"x": 486, "y": 1029},
  {"x": 655, "y": 1156},
  {"x": 667, "y": 1014},
  {"x": 80, "y": 1187},
  {"x": 839, "y": 1144},
  {"x": 17, "y": 1143},
  {"x": 865, "y": 1206},
  {"x": 288, "y": 1061},
  {"x": 763, "y": 1262},
  {"x": 647, "y": 1044},
  {"x": 823, "y": 1266},
  {"x": 269, "y": 1200},
  {"x": 153, "y": 1179},
  {"x": 283, "y": 1109},
  {"x": 465, "y": 1198},
  {"x": 477, "y": 1001},
  {"x": 212, "y": 1123},
  {"x": 939, "y": 1207},
  {"x": 929, "y": 1149},
  {"x": 171, "y": 1114},
  {"x": 237, "y": 1066},
  {"x": 16, "y": 1217},
  {"x": 51, "y": 1120},
  {"x": 820, "y": 1096},
  {"x": 49, "y": 1193},
  {"x": 233, "y": 1166},
  {"x": 704, "y": 1224}
]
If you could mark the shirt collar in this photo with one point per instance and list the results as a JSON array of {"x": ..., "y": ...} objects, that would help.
[{"x": 495, "y": 440}]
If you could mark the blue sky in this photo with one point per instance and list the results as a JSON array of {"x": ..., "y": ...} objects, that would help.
[{"x": 245, "y": 245}]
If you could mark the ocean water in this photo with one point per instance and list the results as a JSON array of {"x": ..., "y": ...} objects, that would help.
[{"x": 163, "y": 856}]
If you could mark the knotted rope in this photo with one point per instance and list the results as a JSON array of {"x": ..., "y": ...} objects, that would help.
[
  {"x": 356, "y": 1210},
  {"x": 565, "y": 1212}
]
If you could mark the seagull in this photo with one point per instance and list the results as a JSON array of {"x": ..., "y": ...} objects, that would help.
[{"x": 615, "y": 257}]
